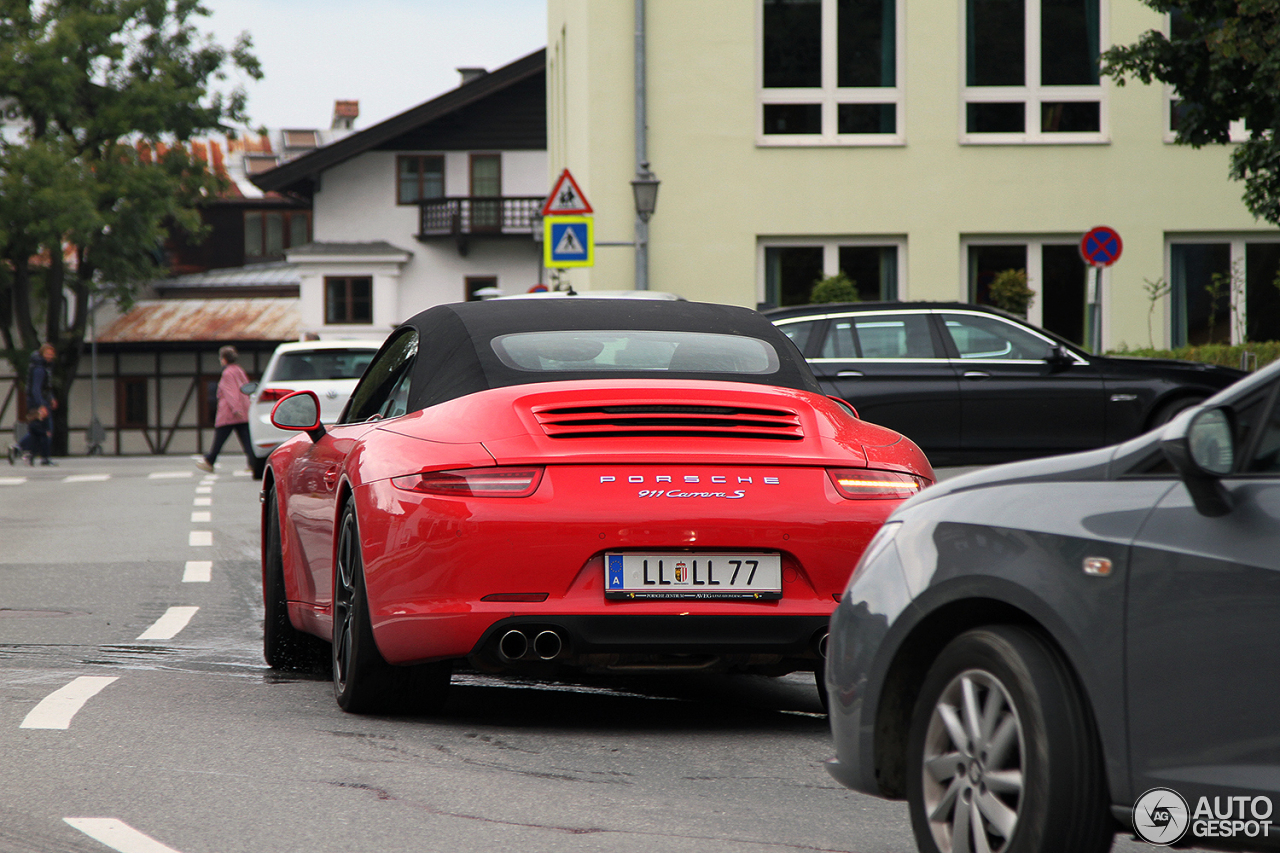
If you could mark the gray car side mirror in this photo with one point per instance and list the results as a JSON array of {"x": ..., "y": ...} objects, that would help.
[{"x": 1202, "y": 450}]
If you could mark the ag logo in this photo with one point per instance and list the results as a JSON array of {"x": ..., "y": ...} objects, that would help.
[{"x": 1161, "y": 816}]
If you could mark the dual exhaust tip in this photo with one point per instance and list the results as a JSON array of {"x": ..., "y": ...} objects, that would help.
[
  {"x": 548, "y": 645},
  {"x": 516, "y": 645}
]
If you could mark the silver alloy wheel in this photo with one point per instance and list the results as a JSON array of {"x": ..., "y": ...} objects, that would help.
[
  {"x": 344, "y": 596},
  {"x": 972, "y": 767}
]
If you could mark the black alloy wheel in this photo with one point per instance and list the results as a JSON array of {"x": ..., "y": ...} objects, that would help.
[
  {"x": 363, "y": 682},
  {"x": 1002, "y": 756},
  {"x": 283, "y": 646}
]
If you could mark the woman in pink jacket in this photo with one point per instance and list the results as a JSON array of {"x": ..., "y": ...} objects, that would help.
[{"x": 233, "y": 410}]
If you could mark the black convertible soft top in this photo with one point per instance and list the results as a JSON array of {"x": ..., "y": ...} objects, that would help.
[{"x": 456, "y": 356}]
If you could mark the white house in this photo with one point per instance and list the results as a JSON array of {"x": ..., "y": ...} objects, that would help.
[{"x": 427, "y": 207}]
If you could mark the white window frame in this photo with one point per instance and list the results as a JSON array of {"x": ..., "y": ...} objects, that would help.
[
  {"x": 829, "y": 94},
  {"x": 1239, "y": 243},
  {"x": 1032, "y": 96},
  {"x": 1035, "y": 266},
  {"x": 830, "y": 255}
]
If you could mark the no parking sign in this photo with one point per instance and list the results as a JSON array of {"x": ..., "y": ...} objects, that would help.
[{"x": 1101, "y": 247}]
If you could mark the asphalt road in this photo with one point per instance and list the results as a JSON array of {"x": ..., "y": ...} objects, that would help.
[{"x": 136, "y": 713}]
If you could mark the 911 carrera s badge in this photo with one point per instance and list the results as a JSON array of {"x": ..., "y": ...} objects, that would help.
[{"x": 680, "y": 484}]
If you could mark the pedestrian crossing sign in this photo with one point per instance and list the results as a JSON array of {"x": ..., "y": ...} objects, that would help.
[{"x": 568, "y": 241}]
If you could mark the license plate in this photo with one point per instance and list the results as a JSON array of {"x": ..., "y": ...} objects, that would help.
[{"x": 754, "y": 577}]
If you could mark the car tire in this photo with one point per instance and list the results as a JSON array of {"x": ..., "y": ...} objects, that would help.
[
  {"x": 1000, "y": 744},
  {"x": 820, "y": 681},
  {"x": 363, "y": 682},
  {"x": 283, "y": 646},
  {"x": 1172, "y": 409}
]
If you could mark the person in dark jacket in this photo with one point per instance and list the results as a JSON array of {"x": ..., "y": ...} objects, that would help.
[{"x": 40, "y": 406}]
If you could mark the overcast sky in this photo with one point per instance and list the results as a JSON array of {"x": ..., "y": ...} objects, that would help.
[{"x": 389, "y": 55}]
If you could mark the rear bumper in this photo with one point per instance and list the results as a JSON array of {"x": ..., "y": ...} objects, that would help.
[{"x": 786, "y": 636}]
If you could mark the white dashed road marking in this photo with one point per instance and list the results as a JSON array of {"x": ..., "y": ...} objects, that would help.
[
  {"x": 197, "y": 571},
  {"x": 86, "y": 478},
  {"x": 118, "y": 835},
  {"x": 203, "y": 502},
  {"x": 204, "y": 490},
  {"x": 168, "y": 625},
  {"x": 56, "y": 710},
  {"x": 12, "y": 481},
  {"x": 170, "y": 475},
  {"x": 199, "y": 516},
  {"x": 200, "y": 538}
]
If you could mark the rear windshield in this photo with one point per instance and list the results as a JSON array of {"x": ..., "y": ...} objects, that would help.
[
  {"x": 675, "y": 352},
  {"x": 322, "y": 364}
]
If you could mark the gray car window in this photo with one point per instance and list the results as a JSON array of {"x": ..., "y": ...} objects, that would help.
[
  {"x": 980, "y": 337},
  {"x": 798, "y": 332},
  {"x": 879, "y": 336},
  {"x": 1266, "y": 456}
]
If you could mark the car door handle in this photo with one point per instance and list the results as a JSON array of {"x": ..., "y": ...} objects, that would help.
[
  {"x": 848, "y": 374},
  {"x": 331, "y": 476},
  {"x": 976, "y": 374}
]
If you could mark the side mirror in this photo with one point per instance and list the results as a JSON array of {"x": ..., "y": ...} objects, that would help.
[
  {"x": 249, "y": 389},
  {"x": 1060, "y": 358},
  {"x": 299, "y": 412},
  {"x": 1202, "y": 450}
]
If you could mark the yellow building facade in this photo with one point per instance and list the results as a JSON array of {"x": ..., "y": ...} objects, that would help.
[{"x": 920, "y": 147}]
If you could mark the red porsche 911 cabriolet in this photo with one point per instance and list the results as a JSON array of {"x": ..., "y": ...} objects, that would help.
[{"x": 606, "y": 485}]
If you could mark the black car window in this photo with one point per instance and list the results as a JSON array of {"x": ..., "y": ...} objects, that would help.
[
  {"x": 382, "y": 378},
  {"x": 981, "y": 337},
  {"x": 879, "y": 336},
  {"x": 799, "y": 332},
  {"x": 322, "y": 364}
]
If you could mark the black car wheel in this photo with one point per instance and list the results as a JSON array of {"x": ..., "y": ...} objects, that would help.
[
  {"x": 283, "y": 646},
  {"x": 363, "y": 682},
  {"x": 1005, "y": 757},
  {"x": 1172, "y": 409}
]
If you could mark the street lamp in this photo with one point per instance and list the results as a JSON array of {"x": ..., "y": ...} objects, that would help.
[{"x": 645, "y": 187}]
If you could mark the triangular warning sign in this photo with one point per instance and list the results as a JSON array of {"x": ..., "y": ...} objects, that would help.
[
  {"x": 566, "y": 198},
  {"x": 570, "y": 244}
]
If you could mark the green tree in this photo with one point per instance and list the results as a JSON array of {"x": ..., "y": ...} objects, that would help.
[
  {"x": 834, "y": 288},
  {"x": 105, "y": 96},
  {"x": 1223, "y": 59}
]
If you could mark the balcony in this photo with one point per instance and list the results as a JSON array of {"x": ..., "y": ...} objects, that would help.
[{"x": 465, "y": 217}]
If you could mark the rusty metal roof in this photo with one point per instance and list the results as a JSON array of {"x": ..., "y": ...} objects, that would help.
[{"x": 177, "y": 320}]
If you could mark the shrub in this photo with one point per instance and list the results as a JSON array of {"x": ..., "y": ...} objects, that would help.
[
  {"x": 1010, "y": 292},
  {"x": 834, "y": 288}
]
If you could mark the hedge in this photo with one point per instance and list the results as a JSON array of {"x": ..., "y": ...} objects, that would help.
[{"x": 1227, "y": 355}]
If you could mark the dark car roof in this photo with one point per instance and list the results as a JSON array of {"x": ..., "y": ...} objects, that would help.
[
  {"x": 456, "y": 359},
  {"x": 823, "y": 308}
]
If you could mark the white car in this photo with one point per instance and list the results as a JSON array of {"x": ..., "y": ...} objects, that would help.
[{"x": 329, "y": 368}]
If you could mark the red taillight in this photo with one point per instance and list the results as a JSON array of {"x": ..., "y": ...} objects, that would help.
[
  {"x": 862, "y": 484},
  {"x": 273, "y": 395},
  {"x": 474, "y": 482}
]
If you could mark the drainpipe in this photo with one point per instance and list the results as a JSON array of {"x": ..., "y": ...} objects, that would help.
[{"x": 642, "y": 154}]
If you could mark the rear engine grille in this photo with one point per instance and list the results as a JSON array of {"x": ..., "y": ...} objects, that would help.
[{"x": 663, "y": 419}]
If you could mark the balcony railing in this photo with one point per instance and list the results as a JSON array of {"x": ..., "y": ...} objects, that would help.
[{"x": 463, "y": 216}]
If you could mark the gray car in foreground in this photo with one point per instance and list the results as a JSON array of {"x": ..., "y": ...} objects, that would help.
[{"x": 1039, "y": 655}]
